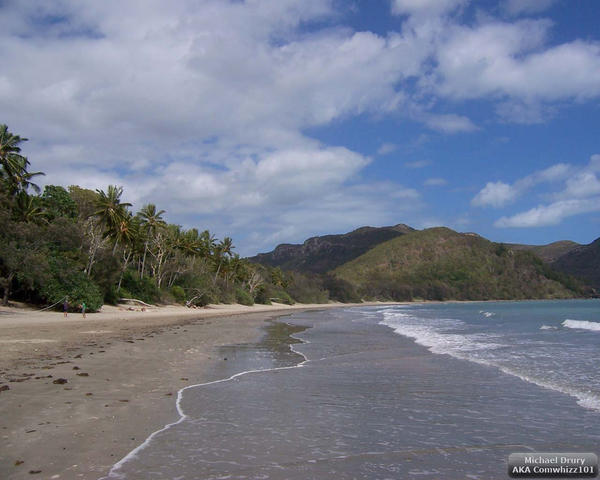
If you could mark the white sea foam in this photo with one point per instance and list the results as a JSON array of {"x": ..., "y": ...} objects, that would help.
[
  {"x": 582, "y": 325},
  {"x": 548, "y": 327}
]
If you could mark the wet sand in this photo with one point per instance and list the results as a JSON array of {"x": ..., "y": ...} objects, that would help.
[{"x": 77, "y": 394}]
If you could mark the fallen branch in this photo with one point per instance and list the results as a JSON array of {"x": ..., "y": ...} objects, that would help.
[{"x": 136, "y": 301}]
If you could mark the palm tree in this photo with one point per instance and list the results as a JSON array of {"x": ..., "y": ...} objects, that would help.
[
  {"x": 9, "y": 147},
  {"x": 27, "y": 208},
  {"x": 111, "y": 211},
  {"x": 14, "y": 165},
  {"x": 208, "y": 244},
  {"x": 221, "y": 251},
  {"x": 151, "y": 221},
  {"x": 17, "y": 178}
]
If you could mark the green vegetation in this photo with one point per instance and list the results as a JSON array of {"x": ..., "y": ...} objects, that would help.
[{"x": 440, "y": 264}]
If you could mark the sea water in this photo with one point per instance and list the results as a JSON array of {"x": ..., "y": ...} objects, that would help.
[{"x": 418, "y": 391}]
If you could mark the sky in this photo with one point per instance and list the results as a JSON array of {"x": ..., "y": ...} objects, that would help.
[{"x": 271, "y": 121}]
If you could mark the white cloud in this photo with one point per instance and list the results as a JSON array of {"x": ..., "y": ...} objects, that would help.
[
  {"x": 387, "y": 148},
  {"x": 583, "y": 184},
  {"x": 552, "y": 214},
  {"x": 449, "y": 123},
  {"x": 580, "y": 193},
  {"x": 495, "y": 194},
  {"x": 509, "y": 62},
  {"x": 425, "y": 7},
  {"x": 418, "y": 164},
  {"x": 518, "y": 7},
  {"x": 435, "y": 182},
  {"x": 499, "y": 194}
]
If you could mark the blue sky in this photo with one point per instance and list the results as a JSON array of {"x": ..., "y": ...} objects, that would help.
[{"x": 272, "y": 121}]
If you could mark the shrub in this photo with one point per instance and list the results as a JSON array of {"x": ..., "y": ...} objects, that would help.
[
  {"x": 243, "y": 297},
  {"x": 178, "y": 294},
  {"x": 139, "y": 288}
]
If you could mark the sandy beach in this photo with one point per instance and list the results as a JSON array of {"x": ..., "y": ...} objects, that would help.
[{"x": 78, "y": 394}]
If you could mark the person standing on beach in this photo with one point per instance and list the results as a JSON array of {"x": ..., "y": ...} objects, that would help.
[
  {"x": 66, "y": 307},
  {"x": 83, "y": 309}
]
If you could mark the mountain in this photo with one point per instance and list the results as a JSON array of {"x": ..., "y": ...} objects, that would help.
[
  {"x": 440, "y": 264},
  {"x": 583, "y": 262},
  {"x": 321, "y": 254},
  {"x": 548, "y": 253}
]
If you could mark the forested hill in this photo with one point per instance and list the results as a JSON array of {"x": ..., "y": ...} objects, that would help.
[
  {"x": 439, "y": 263},
  {"x": 322, "y": 254}
]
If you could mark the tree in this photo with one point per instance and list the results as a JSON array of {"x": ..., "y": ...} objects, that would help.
[
  {"x": 23, "y": 255},
  {"x": 58, "y": 202},
  {"x": 151, "y": 221},
  {"x": 86, "y": 201}
]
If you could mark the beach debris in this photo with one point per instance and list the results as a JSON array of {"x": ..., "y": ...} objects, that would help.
[
  {"x": 123, "y": 400},
  {"x": 185, "y": 379},
  {"x": 77, "y": 356},
  {"x": 89, "y": 394},
  {"x": 60, "y": 381},
  {"x": 76, "y": 368},
  {"x": 33, "y": 472},
  {"x": 83, "y": 374},
  {"x": 3, "y": 388},
  {"x": 30, "y": 431},
  {"x": 19, "y": 462},
  {"x": 169, "y": 394}
]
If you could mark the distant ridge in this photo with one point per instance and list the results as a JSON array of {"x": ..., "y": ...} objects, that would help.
[
  {"x": 583, "y": 261},
  {"x": 548, "y": 253},
  {"x": 325, "y": 253}
]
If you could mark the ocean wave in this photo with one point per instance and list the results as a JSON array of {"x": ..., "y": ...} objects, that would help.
[
  {"x": 487, "y": 314},
  {"x": 587, "y": 400},
  {"x": 548, "y": 327},
  {"x": 582, "y": 325},
  {"x": 436, "y": 337},
  {"x": 436, "y": 334}
]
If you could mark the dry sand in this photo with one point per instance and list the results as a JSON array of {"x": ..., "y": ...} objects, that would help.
[{"x": 122, "y": 370}]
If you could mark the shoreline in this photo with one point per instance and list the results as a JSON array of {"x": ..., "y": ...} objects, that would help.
[{"x": 83, "y": 393}]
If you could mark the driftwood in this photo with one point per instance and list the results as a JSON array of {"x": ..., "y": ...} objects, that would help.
[{"x": 136, "y": 301}]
